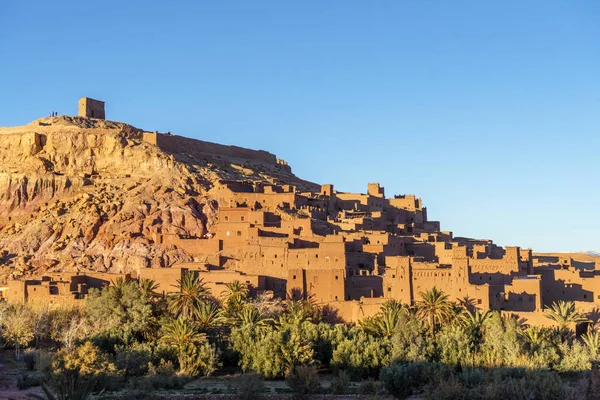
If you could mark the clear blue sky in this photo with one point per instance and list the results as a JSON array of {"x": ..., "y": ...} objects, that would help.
[{"x": 488, "y": 110}]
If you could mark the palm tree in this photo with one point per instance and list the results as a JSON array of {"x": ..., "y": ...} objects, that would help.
[
  {"x": 564, "y": 314},
  {"x": 298, "y": 311},
  {"x": 149, "y": 288},
  {"x": 434, "y": 307},
  {"x": 234, "y": 295},
  {"x": 192, "y": 292},
  {"x": 384, "y": 323},
  {"x": 182, "y": 332},
  {"x": 208, "y": 316},
  {"x": 250, "y": 318},
  {"x": 592, "y": 342},
  {"x": 535, "y": 337},
  {"x": 183, "y": 336},
  {"x": 474, "y": 320}
]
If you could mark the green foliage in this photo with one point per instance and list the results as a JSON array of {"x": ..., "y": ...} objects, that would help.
[
  {"x": 409, "y": 342},
  {"x": 564, "y": 313},
  {"x": 30, "y": 359},
  {"x": 69, "y": 385},
  {"x": 18, "y": 326},
  {"x": 303, "y": 380},
  {"x": 194, "y": 353},
  {"x": 401, "y": 380},
  {"x": 435, "y": 308},
  {"x": 340, "y": 384},
  {"x": 122, "y": 312},
  {"x": 361, "y": 355},
  {"x": 192, "y": 291},
  {"x": 132, "y": 361},
  {"x": 383, "y": 324},
  {"x": 455, "y": 346},
  {"x": 28, "y": 379},
  {"x": 247, "y": 386}
]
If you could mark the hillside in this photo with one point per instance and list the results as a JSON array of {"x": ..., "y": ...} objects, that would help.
[{"x": 79, "y": 193}]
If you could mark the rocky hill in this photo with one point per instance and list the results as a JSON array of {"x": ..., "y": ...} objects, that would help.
[{"x": 88, "y": 194}]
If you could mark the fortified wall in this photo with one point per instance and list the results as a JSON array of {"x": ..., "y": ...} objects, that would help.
[{"x": 180, "y": 144}]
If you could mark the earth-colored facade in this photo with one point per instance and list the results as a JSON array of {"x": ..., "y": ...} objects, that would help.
[{"x": 351, "y": 251}]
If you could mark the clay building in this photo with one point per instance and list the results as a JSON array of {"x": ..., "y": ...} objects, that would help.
[
  {"x": 91, "y": 108},
  {"x": 352, "y": 251}
]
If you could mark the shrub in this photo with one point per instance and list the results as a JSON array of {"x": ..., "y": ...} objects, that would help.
[
  {"x": 44, "y": 362},
  {"x": 303, "y": 380},
  {"x": 157, "y": 382},
  {"x": 27, "y": 380},
  {"x": 133, "y": 362},
  {"x": 401, "y": 380},
  {"x": 340, "y": 383},
  {"x": 370, "y": 387},
  {"x": 472, "y": 378},
  {"x": 30, "y": 359},
  {"x": 247, "y": 386},
  {"x": 450, "y": 389},
  {"x": 164, "y": 368}
]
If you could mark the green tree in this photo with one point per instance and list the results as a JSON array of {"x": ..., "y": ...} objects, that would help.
[
  {"x": 383, "y": 324},
  {"x": 234, "y": 296},
  {"x": 591, "y": 339},
  {"x": 149, "y": 288},
  {"x": 362, "y": 355},
  {"x": 19, "y": 327},
  {"x": 565, "y": 314},
  {"x": 434, "y": 307},
  {"x": 182, "y": 334},
  {"x": 191, "y": 293},
  {"x": 409, "y": 342},
  {"x": 121, "y": 311}
]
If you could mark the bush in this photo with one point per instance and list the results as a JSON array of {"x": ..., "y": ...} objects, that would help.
[
  {"x": 247, "y": 386},
  {"x": 472, "y": 378},
  {"x": 401, "y": 380},
  {"x": 133, "y": 362},
  {"x": 450, "y": 389},
  {"x": 370, "y": 387},
  {"x": 303, "y": 380},
  {"x": 44, "y": 362},
  {"x": 27, "y": 380},
  {"x": 340, "y": 384},
  {"x": 30, "y": 359},
  {"x": 164, "y": 368},
  {"x": 157, "y": 382}
]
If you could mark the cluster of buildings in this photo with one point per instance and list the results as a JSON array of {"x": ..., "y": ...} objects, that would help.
[{"x": 351, "y": 251}]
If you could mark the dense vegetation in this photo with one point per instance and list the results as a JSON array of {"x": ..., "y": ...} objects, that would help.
[{"x": 127, "y": 334}]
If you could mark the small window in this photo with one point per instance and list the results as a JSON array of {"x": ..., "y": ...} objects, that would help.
[
  {"x": 393, "y": 276},
  {"x": 294, "y": 277},
  {"x": 226, "y": 218},
  {"x": 242, "y": 219},
  {"x": 479, "y": 301},
  {"x": 336, "y": 277},
  {"x": 239, "y": 233}
]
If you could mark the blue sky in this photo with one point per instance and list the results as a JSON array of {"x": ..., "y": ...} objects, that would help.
[{"x": 487, "y": 110}]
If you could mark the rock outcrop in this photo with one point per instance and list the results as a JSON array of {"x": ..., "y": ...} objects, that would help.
[{"x": 87, "y": 194}]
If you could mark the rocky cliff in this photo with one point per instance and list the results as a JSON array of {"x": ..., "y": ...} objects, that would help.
[{"x": 79, "y": 194}]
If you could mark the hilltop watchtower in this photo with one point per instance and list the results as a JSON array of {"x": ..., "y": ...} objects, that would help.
[{"x": 91, "y": 108}]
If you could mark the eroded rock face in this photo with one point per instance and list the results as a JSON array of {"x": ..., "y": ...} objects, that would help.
[{"x": 78, "y": 194}]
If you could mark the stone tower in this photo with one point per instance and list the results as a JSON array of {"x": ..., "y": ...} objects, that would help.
[{"x": 91, "y": 108}]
